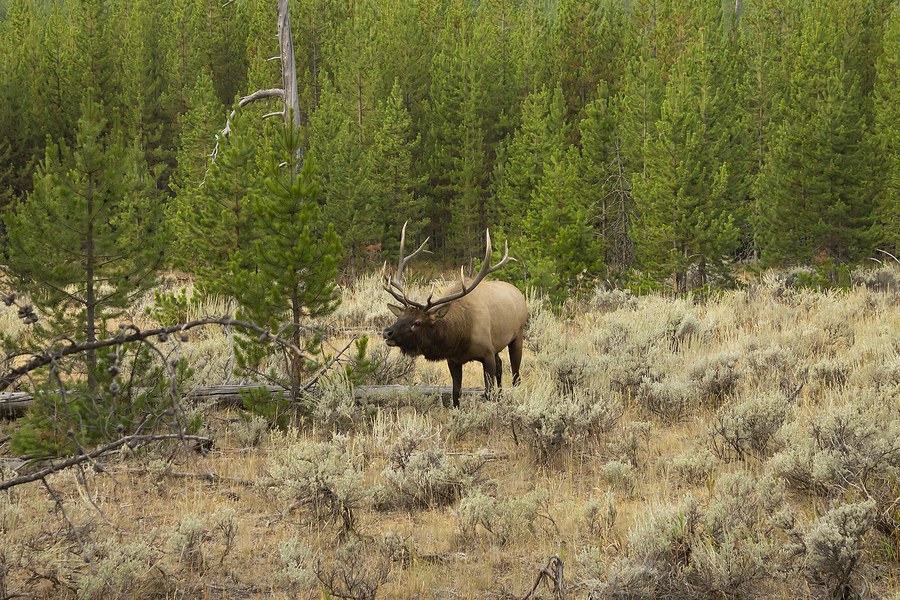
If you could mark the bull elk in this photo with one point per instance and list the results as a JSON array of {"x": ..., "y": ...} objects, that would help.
[{"x": 473, "y": 322}]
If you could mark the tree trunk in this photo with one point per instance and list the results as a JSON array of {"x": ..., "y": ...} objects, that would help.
[{"x": 288, "y": 69}]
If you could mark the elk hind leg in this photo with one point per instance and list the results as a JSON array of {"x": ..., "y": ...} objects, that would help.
[
  {"x": 515, "y": 356},
  {"x": 490, "y": 373}
]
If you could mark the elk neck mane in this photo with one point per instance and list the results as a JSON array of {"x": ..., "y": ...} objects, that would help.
[{"x": 451, "y": 334}]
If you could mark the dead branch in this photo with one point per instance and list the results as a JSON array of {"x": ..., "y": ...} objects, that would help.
[
  {"x": 132, "y": 440},
  {"x": 553, "y": 573},
  {"x": 51, "y": 354}
]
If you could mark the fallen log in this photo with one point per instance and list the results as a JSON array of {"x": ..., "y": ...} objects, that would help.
[{"x": 16, "y": 404}]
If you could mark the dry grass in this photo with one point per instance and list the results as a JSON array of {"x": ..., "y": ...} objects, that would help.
[{"x": 602, "y": 457}]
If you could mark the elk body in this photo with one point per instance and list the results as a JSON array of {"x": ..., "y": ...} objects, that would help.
[{"x": 473, "y": 322}]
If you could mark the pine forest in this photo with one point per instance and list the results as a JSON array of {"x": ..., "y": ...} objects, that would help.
[{"x": 615, "y": 141}]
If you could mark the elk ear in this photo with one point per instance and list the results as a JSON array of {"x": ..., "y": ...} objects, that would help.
[
  {"x": 441, "y": 311},
  {"x": 397, "y": 310}
]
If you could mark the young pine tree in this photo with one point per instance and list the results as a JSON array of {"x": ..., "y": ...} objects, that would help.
[
  {"x": 293, "y": 262},
  {"x": 91, "y": 235}
]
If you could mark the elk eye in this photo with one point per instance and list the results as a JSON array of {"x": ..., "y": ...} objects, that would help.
[{"x": 417, "y": 323}]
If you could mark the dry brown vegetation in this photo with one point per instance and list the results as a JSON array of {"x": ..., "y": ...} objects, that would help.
[{"x": 741, "y": 445}]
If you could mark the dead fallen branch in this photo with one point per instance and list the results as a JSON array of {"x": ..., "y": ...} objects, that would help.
[{"x": 131, "y": 333}]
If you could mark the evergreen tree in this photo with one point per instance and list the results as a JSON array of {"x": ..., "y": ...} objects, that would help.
[
  {"x": 684, "y": 214},
  {"x": 816, "y": 188},
  {"x": 391, "y": 168},
  {"x": 216, "y": 220},
  {"x": 454, "y": 136},
  {"x": 588, "y": 40},
  {"x": 561, "y": 251},
  {"x": 145, "y": 87},
  {"x": 108, "y": 238},
  {"x": 767, "y": 25},
  {"x": 199, "y": 128},
  {"x": 887, "y": 118},
  {"x": 288, "y": 274},
  {"x": 348, "y": 194},
  {"x": 604, "y": 173},
  {"x": 542, "y": 133}
]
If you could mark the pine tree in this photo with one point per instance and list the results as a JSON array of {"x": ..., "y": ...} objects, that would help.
[
  {"x": 561, "y": 252},
  {"x": 588, "y": 40},
  {"x": 604, "y": 172},
  {"x": 216, "y": 221},
  {"x": 348, "y": 193},
  {"x": 145, "y": 86},
  {"x": 887, "y": 119},
  {"x": 199, "y": 127},
  {"x": 109, "y": 235},
  {"x": 390, "y": 164},
  {"x": 684, "y": 216},
  {"x": 288, "y": 274},
  {"x": 543, "y": 132},
  {"x": 815, "y": 189}
]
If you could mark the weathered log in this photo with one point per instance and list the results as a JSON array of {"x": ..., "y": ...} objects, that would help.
[{"x": 15, "y": 404}]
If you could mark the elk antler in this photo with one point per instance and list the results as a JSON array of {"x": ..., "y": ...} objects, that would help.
[
  {"x": 397, "y": 282},
  {"x": 486, "y": 269}
]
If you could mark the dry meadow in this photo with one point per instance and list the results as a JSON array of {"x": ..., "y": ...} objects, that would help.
[{"x": 742, "y": 444}]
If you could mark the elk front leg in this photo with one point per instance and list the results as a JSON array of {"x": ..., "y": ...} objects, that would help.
[{"x": 456, "y": 376}]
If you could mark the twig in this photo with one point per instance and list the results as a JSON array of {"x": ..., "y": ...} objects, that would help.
[
  {"x": 553, "y": 572},
  {"x": 141, "y": 440},
  {"x": 334, "y": 359},
  {"x": 49, "y": 355},
  {"x": 85, "y": 555}
]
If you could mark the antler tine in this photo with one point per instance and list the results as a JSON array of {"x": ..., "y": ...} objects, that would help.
[
  {"x": 397, "y": 282},
  {"x": 486, "y": 269}
]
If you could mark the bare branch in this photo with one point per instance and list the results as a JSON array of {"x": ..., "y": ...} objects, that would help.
[
  {"x": 135, "y": 440},
  {"x": 52, "y": 354}
]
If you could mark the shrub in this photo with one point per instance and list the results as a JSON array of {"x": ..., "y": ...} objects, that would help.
[
  {"x": 686, "y": 551},
  {"x": 187, "y": 539},
  {"x": 604, "y": 300},
  {"x": 292, "y": 560},
  {"x": 391, "y": 367},
  {"x": 550, "y": 423},
  {"x": 120, "y": 570},
  {"x": 747, "y": 429},
  {"x": 695, "y": 467},
  {"x": 420, "y": 473},
  {"x": 672, "y": 400},
  {"x": 618, "y": 473},
  {"x": 357, "y": 570},
  {"x": 716, "y": 377},
  {"x": 632, "y": 443},
  {"x": 840, "y": 450},
  {"x": 503, "y": 518},
  {"x": 599, "y": 514},
  {"x": 833, "y": 547},
  {"x": 336, "y": 408},
  {"x": 324, "y": 479}
]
